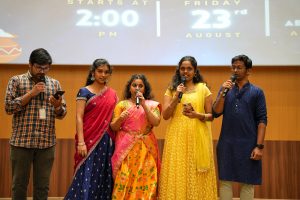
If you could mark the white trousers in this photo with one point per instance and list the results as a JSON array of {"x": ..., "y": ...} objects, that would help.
[{"x": 246, "y": 193}]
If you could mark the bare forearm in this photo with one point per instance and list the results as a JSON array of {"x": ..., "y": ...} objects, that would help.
[
  {"x": 79, "y": 130},
  {"x": 261, "y": 133},
  {"x": 205, "y": 117},
  {"x": 116, "y": 124},
  {"x": 152, "y": 117},
  {"x": 169, "y": 108},
  {"x": 218, "y": 106}
]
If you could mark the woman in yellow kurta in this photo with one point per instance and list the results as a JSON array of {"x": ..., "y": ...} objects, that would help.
[
  {"x": 136, "y": 162},
  {"x": 188, "y": 171}
]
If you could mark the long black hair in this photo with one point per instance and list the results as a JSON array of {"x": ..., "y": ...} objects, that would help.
[
  {"x": 176, "y": 80},
  {"x": 147, "y": 92},
  {"x": 95, "y": 65}
]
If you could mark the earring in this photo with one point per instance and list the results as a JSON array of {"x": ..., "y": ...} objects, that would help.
[{"x": 92, "y": 78}]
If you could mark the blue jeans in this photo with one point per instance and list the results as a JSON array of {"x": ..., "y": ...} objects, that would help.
[{"x": 21, "y": 161}]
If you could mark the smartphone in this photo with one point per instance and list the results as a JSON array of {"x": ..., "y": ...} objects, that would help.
[
  {"x": 58, "y": 93},
  {"x": 188, "y": 107}
]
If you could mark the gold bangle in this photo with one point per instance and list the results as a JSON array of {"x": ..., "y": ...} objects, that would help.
[
  {"x": 58, "y": 108},
  {"x": 80, "y": 143},
  {"x": 204, "y": 118}
]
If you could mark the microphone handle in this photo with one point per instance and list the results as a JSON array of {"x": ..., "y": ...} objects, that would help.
[
  {"x": 232, "y": 78},
  {"x": 42, "y": 96},
  {"x": 42, "y": 79},
  {"x": 225, "y": 92},
  {"x": 183, "y": 79},
  {"x": 180, "y": 96},
  {"x": 137, "y": 102}
]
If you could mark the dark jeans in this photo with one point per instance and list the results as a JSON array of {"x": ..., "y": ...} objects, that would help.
[{"x": 21, "y": 160}]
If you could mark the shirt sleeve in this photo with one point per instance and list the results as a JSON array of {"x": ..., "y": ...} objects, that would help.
[
  {"x": 169, "y": 93},
  {"x": 157, "y": 110},
  {"x": 12, "y": 101},
  {"x": 207, "y": 92},
  {"x": 261, "y": 108},
  {"x": 118, "y": 110},
  {"x": 63, "y": 111},
  {"x": 216, "y": 115},
  {"x": 81, "y": 95}
]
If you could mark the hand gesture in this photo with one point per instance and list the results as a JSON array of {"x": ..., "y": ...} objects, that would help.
[
  {"x": 141, "y": 97},
  {"x": 82, "y": 150},
  {"x": 124, "y": 115},
  {"x": 55, "y": 102},
  {"x": 180, "y": 88},
  {"x": 228, "y": 84},
  {"x": 256, "y": 154},
  {"x": 189, "y": 111},
  {"x": 38, "y": 88}
]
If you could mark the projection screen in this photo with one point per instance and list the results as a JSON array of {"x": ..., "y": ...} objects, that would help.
[{"x": 151, "y": 32}]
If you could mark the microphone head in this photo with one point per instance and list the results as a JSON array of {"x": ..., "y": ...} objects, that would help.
[
  {"x": 136, "y": 91},
  {"x": 183, "y": 79},
  {"x": 42, "y": 79},
  {"x": 233, "y": 78},
  {"x": 137, "y": 99}
]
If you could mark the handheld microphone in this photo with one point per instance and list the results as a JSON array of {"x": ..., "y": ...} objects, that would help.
[
  {"x": 183, "y": 79},
  {"x": 232, "y": 78},
  {"x": 137, "y": 100},
  {"x": 42, "y": 79}
]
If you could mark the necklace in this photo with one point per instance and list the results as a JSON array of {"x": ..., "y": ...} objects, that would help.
[{"x": 190, "y": 89}]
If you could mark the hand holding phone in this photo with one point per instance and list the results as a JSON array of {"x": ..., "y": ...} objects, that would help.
[
  {"x": 187, "y": 107},
  {"x": 58, "y": 94}
]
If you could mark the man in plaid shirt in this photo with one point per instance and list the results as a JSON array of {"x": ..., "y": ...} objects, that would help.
[{"x": 29, "y": 98}]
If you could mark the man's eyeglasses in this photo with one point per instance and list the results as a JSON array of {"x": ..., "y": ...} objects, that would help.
[
  {"x": 233, "y": 68},
  {"x": 40, "y": 68}
]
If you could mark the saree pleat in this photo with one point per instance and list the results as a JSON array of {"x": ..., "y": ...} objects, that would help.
[
  {"x": 93, "y": 179},
  {"x": 137, "y": 177}
]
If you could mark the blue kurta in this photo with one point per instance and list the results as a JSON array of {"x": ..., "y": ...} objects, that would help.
[{"x": 243, "y": 110}]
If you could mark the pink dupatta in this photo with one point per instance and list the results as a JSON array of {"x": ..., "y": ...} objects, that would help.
[
  {"x": 97, "y": 116},
  {"x": 134, "y": 128}
]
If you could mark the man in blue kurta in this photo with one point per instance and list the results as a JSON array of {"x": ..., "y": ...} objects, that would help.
[{"x": 240, "y": 146}]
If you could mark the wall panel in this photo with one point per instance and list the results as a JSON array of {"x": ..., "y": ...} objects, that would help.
[
  {"x": 280, "y": 85},
  {"x": 281, "y": 167},
  {"x": 281, "y": 170}
]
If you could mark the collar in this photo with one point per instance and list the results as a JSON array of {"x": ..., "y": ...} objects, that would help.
[{"x": 29, "y": 75}]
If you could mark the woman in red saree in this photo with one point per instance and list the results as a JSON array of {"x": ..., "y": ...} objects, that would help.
[
  {"x": 94, "y": 147},
  {"x": 136, "y": 161}
]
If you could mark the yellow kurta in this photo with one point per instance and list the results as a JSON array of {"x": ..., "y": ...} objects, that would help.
[{"x": 188, "y": 170}]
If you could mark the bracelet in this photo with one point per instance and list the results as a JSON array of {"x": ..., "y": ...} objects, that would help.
[
  {"x": 80, "y": 143},
  {"x": 30, "y": 94},
  {"x": 58, "y": 108},
  {"x": 260, "y": 146},
  {"x": 204, "y": 118}
]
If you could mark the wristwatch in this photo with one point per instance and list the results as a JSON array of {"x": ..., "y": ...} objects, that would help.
[{"x": 260, "y": 146}]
